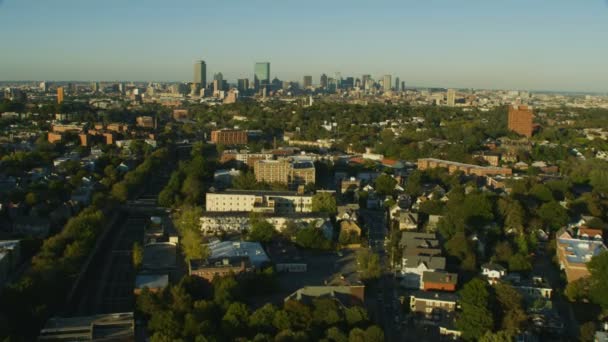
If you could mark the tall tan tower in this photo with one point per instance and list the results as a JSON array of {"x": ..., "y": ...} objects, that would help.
[
  {"x": 60, "y": 95},
  {"x": 520, "y": 120}
]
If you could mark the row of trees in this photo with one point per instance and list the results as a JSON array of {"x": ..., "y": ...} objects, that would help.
[
  {"x": 187, "y": 184},
  {"x": 133, "y": 180},
  {"x": 193, "y": 312}
]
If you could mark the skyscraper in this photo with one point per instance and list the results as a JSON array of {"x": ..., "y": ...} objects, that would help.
[
  {"x": 386, "y": 83},
  {"x": 200, "y": 73},
  {"x": 323, "y": 81},
  {"x": 219, "y": 77},
  {"x": 451, "y": 97},
  {"x": 307, "y": 83},
  {"x": 261, "y": 76},
  {"x": 366, "y": 81},
  {"x": 243, "y": 84},
  {"x": 402, "y": 86},
  {"x": 397, "y": 84},
  {"x": 60, "y": 95}
]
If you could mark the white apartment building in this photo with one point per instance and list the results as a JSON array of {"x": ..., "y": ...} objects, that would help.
[{"x": 279, "y": 202}]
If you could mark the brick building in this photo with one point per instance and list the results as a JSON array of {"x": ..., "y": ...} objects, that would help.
[
  {"x": 467, "y": 169},
  {"x": 229, "y": 137},
  {"x": 520, "y": 120}
]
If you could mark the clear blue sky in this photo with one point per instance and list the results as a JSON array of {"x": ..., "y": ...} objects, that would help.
[{"x": 517, "y": 44}]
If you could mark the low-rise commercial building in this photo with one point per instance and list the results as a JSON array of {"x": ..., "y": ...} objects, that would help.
[{"x": 103, "y": 327}]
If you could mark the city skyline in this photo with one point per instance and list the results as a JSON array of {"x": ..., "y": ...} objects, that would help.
[{"x": 547, "y": 45}]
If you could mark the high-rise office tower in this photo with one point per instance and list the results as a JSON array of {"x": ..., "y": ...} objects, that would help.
[
  {"x": 338, "y": 80},
  {"x": 402, "y": 86},
  {"x": 307, "y": 83},
  {"x": 386, "y": 83},
  {"x": 451, "y": 97},
  {"x": 243, "y": 84},
  {"x": 261, "y": 75},
  {"x": 122, "y": 88},
  {"x": 200, "y": 73},
  {"x": 397, "y": 84},
  {"x": 60, "y": 95},
  {"x": 324, "y": 81},
  {"x": 365, "y": 81}
]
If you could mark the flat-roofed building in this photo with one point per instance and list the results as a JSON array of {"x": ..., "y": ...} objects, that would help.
[
  {"x": 575, "y": 248},
  {"x": 280, "y": 202},
  {"x": 220, "y": 267},
  {"x": 521, "y": 120},
  {"x": 467, "y": 169},
  {"x": 285, "y": 171},
  {"x": 229, "y": 137},
  {"x": 103, "y": 327}
]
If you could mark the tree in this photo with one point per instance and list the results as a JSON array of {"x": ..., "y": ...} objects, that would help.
[
  {"x": 463, "y": 249},
  {"x": 311, "y": 237},
  {"x": 501, "y": 336},
  {"x": 234, "y": 322},
  {"x": 336, "y": 335},
  {"x": 413, "y": 186},
  {"x": 357, "y": 335},
  {"x": 326, "y": 312},
  {"x": 368, "y": 263},
  {"x": 192, "y": 245},
  {"x": 324, "y": 202},
  {"x": 262, "y": 231},
  {"x": 577, "y": 290},
  {"x": 587, "y": 332},
  {"x": 475, "y": 318},
  {"x": 541, "y": 193},
  {"x": 261, "y": 319},
  {"x": 355, "y": 315},
  {"x": 165, "y": 326},
  {"x": 188, "y": 218},
  {"x": 374, "y": 334},
  {"x": 598, "y": 178},
  {"x": 511, "y": 310},
  {"x": 598, "y": 279},
  {"x": 385, "y": 185},
  {"x": 299, "y": 314},
  {"x": 553, "y": 215},
  {"x": 138, "y": 255}
]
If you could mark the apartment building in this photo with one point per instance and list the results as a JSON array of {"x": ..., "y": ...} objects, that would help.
[
  {"x": 280, "y": 202},
  {"x": 285, "y": 171},
  {"x": 576, "y": 247},
  {"x": 229, "y": 137},
  {"x": 521, "y": 120}
]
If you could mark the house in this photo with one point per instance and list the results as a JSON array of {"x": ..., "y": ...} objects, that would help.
[
  {"x": 414, "y": 266},
  {"x": 345, "y": 295},
  {"x": 408, "y": 220},
  {"x": 439, "y": 281},
  {"x": 348, "y": 212},
  {"x": 350, "y": 185},
  {"x": 493, "y": 272},
  {"x": 533, "y": 288},
  {"x": 31, "y": 225},
  {"x": 433, "y": 305},
  {"x": 350, "y": 227}
]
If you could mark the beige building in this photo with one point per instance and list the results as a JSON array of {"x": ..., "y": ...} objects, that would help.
[
  {"x": 467, "y": 169},
  {"x": 285, "y": 171},
  {"x": 259, "y": 201}
]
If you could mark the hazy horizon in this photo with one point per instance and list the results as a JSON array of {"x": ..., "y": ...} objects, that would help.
[{"x": 545, "y": 45}]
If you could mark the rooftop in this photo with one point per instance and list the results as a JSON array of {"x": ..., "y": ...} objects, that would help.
[
  {"x": 253, "y": 250},
  {"x": 115, "y": 326}
]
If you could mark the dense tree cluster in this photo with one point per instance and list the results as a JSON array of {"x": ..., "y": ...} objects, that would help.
[
  {"x": 190, "y": 311},
  {"x": 187, "y": 184}
]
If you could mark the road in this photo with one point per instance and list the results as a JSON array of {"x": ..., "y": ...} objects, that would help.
[{"x": 385, "y": 302}]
